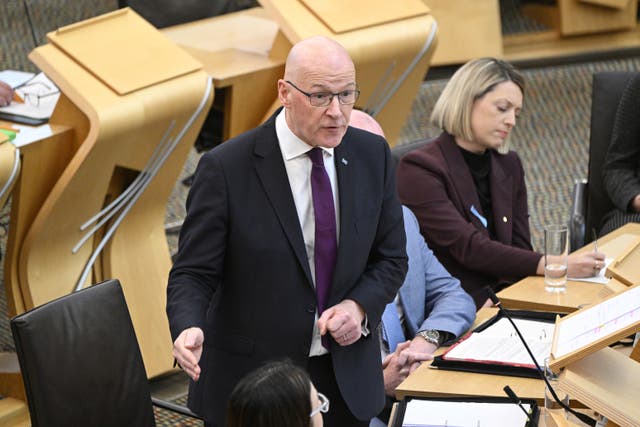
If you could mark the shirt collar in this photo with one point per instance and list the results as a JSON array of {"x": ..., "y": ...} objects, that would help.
[{"x": 290, "y": 145}]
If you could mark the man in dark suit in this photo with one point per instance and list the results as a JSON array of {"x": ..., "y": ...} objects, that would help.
[{"x": 263, "y": 270}]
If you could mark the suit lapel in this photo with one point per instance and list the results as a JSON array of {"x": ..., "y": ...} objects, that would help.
[
  {"x": 273, "y": 176},
  {"x": 463, "y": 182},
  {"x": 347, "y": 180},
  {"x": 501, "y": 200}
]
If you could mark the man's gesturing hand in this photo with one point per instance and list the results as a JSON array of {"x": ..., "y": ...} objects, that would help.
[
  {"x": 343, "y": 321},
  {"x": 187, "y": 349}
]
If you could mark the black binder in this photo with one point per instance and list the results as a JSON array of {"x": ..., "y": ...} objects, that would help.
[{"x": 441, "y": 362}]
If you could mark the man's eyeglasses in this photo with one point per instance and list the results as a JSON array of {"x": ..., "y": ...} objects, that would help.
[
  {"x": 322, "y": 99},
  {"x": 324, "y": 404}
]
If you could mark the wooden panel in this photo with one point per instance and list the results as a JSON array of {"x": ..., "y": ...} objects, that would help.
[
  {"x": 549, "y": 44},
  {"x": 247, "y": 64},
  {"x": 348, "y": 15},
  {"x": 227, "y": 51},
  {"x": 607, "y": 382},
  {"x": 123, "y": 50},
  {"x": 617, "y": 4},
  {"x": 573, "y": 17},
  {"x": 466, "y": 30}
]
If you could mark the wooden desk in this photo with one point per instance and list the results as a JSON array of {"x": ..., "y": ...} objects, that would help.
[
  {"x": 440, "y": 383},
  {"x": 236, "y": 51},
  {"x": 574, "y": 17},
  {"x": 101, "y": 146},
  {"x": 529, "y": 293}
]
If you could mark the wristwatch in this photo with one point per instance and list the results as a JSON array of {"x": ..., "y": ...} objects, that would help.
[{"x": 430, "y": 335}]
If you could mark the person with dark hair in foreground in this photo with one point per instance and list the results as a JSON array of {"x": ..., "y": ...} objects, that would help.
[{"x": 278, "y": 394}]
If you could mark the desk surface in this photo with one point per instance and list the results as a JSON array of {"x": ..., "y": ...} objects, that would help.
[
  {"x": 226, "y": 47},
  {"x": 529, "y": 293}
]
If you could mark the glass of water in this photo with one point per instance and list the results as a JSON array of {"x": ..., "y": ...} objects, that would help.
[{"x": 556, "y": 250}]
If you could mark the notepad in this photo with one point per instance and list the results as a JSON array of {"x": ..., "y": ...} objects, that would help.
[
  {"x": 434, "y": 412},
  {"x": 40, "y": 95},
  {"x": 15, "y": 78}
]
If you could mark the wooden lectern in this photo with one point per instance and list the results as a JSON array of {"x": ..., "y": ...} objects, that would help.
[
  {"x": 244, "y": 52},
  {"x": 90, "y": 202},
  {"x": 391, "y": 44},
  {"x": 604, "y": 379}
]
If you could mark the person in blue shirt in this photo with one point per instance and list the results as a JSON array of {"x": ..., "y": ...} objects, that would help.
[{"x": 430, "y": 309}]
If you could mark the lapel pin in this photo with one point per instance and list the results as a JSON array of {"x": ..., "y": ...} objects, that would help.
[{"x": 344, "y": 161}]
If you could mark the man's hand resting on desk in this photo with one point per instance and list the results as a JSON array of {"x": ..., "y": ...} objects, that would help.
[
  {"x": 397, "y": 366},
  {"x": 6, "y": 94},
  {"x": 187, "y": 349}
]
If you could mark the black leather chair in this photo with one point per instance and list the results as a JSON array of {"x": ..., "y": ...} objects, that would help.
[
  {"x": 400, "y": 150},
  {"x": 81, "y": 363},
  {"x": 590, "y": 200}
]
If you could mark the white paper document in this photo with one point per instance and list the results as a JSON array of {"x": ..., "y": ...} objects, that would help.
[
  {"x": 596, "y": 322},
  {"x": 15, "y": 78},
  {"x": 433, "y": 413},
  {"x": 597, "y": 278},
  {"x": 499, "y": 343}
]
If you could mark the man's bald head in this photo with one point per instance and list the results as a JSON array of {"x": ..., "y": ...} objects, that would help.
[
  {"x": 361, "y": 120},
  {"x": 316, "y": 53}
]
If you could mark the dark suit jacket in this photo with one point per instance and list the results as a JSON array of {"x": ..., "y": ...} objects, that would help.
[
  {"x": 242, "y": 273},
  {"x": 434, "y": 181}
]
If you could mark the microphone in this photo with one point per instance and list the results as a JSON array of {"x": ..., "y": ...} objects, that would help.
[
  {"x": 515, "y": 399},
  {"x": 582, "y": 417},
  {"x": 33, "y": 32}
]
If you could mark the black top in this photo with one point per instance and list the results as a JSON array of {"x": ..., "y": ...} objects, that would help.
[{"x": 480, "y": 168}]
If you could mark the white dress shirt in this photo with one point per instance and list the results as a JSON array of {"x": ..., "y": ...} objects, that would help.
[{"x": 298, "y": 166}]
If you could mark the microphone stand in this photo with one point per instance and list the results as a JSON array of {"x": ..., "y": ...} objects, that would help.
[{"x": 582, "y": 417}]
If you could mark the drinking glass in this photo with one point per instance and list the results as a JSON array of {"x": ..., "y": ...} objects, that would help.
[
  {"x": 556, "y": 248},
  {"x": 550, "y": 403}
]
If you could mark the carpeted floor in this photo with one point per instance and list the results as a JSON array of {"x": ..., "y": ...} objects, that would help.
[{"x": 551, "y": 136}]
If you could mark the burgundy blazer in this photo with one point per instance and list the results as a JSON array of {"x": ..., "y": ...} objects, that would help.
[{"x": 435, "y": 182}]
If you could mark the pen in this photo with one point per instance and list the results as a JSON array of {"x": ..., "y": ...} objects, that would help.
[
  {"x": 17, "y": 98},
  {"x": 595, "y": 240},
  {"x": 9, "y": 128}
]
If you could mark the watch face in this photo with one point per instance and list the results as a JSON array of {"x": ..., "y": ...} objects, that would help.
[{"x": 431, "y": 335}]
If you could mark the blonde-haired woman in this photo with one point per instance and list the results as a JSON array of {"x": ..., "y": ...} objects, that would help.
[{"x": 468, "y": 191}]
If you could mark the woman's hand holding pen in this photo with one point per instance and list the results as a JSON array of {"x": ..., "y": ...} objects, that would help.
[{"x": 585, "y": 264}]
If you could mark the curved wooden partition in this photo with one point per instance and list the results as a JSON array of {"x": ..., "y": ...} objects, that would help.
[
  {"x": 391, "y": 44},
  {"x": 135, "y": 102}
]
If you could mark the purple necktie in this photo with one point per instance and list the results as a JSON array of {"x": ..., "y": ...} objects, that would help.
[{"x": 325, "y": 222}]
